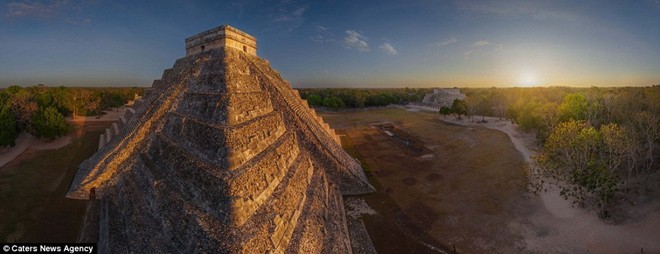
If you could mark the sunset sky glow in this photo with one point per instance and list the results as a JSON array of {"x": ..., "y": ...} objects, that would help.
[{"x": 341, "y": 43}]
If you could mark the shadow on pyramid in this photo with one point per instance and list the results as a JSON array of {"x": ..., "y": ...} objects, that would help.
[{"x": 221, "y": 155}]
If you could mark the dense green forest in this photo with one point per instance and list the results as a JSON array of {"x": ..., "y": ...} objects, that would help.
[
  {"x": 338, "y": 98},
  {"x": 599, "y": 145},
  {"x": 41, "y": 110}
]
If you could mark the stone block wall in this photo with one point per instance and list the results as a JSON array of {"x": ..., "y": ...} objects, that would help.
[
  {"x": 253, "y": 186},
  {"x": 225, "y": 108},
  {"x": 222, "y": 36},
  {"x": 318, "y": 118},
  {"x": 212, "y": 142},
  {"x": 197, "y": 182},
  {"x": 442, "y": 97},
  {"x": 327, "y": 153},
  {"x": 285, "y": 211}
]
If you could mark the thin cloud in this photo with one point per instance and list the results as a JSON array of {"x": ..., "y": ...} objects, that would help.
[
  {"x": 355, "y": 40},
  {"x": 519, "y": 8},
  {"x": 323, "y": 35},
  {"x": 467, "y": 54},
  {"x": 388, "y": 49},
  {"x": 446, "y": 42},
  {"x": 475, "y": 48},
  {"x": 60, "y": 10},
  {"x": 479, "y": 43},
  {"x": 291, "y": 15},
  {"x": 34, "y": 9}
]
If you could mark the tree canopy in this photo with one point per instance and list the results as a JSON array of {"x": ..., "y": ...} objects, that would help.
[
  {"x": 8, "y": 127},
  {"x": 360, "y": 98},
  {"x": 40, "y": 110},
  {"x": 49, "y": 123}
]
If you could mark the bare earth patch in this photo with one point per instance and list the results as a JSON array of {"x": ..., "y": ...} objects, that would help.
[
  {"x": 472, "y": 193},
  {"x": 464, "y": 196},
  {"x": 556, "y": 226}
]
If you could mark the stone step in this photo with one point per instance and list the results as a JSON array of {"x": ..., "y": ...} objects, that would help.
[
  {"x": 129, "y": 113},
  {"x": 115, "y": 127},
  {"x": 101, "y": 141},
  {"x": 158, "y": 83},
  {"x": 137, "y": 103},
  {"x": 249, "y": 138},
  {"x": 108, "y": 135},
  {"x": 120, "y": 124}
]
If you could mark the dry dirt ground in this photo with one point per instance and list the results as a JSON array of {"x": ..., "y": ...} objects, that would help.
[
  {"x": 634, "y": 225},
  {"x": 463, "y": 194},
  {"x": 470, "y": 192}
]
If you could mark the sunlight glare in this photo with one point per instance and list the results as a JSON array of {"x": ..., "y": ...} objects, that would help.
[{"x": 527, "y": 79}]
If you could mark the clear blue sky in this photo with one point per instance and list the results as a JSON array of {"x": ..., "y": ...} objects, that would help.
[{"x": 340, "y": 43}]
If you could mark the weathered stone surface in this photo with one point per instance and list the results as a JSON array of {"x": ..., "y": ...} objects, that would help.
[
  {"x": 442, "y": 97},
  {"x": 222, "y": 36},
  {"x": 221, "y": 156},
  {"x": 101, "y": 141}
]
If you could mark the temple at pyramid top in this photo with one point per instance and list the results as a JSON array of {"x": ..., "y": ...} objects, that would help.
[{"x": 220, "y": 37}]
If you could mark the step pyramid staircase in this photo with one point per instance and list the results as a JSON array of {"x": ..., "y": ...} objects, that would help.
[{"x": 220, "y": 156}]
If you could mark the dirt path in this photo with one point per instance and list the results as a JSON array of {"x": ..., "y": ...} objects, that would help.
[
  {"x": 23, "y": 141},
  {"x": 559, "y": 228},
  {"x": 26, "y": 141},
  {"x": 110, "y": 115}
]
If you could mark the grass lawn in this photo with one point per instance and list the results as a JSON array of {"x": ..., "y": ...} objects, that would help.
[{"x": 32, "y": 188}]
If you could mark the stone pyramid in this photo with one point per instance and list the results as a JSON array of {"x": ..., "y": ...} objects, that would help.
[{"x": 221, "y": 155}]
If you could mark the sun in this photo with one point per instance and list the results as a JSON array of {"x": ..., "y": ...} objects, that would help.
[{"x": 527, "y": 79}]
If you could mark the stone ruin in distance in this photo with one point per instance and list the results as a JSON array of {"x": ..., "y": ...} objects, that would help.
[{"x": 220, "y": 155}]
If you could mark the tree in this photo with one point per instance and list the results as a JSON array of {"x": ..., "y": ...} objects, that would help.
[
  {"x": 498, "y": 102},
  {"x": 647, "y": 127},
  {"x": 444, "y": 110},
  {"x": 472, "y": 105},
  {"x": 314, "y": 100},
  {"x": 92, "y": 103},
  {"x": 459, "y": 108},
  {"x": 571, "y": 157},
  {"x": 333, "y": 102},
  {"x": 524, "y": 113},
  {"x": 8, "y": 128},
  {"x": 616, "y": 149},
  {"x": 13, "y": 89},
  {"x": 484, "y": 107},
  {"x": 49, "y": 123},
  {"x": 574, "y": 106},
  {"x": 61, "y": 98},
  {"x": 24, "y": 109},
  {"x": 547, "y": 118}
]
